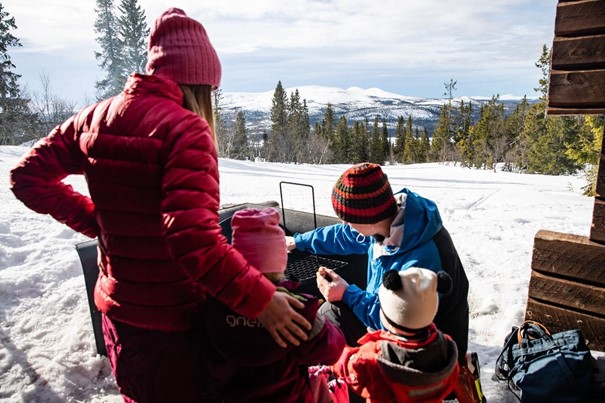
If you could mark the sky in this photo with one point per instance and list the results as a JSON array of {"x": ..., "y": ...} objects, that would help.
[
  {"x": 406, "y": 47},
  {"x": 47, "y": 351}
]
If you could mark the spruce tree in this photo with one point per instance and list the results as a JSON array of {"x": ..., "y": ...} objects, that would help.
[
  {"x": 386, "y": 142},
  {"x": 276, "y": 147},
  {"x": 9, "y": 86},
  {"x": 133, "y": 33},
  {"x": 424, "y": 146},
  {"x": 224, "y": 135},
  {"x": 376, "y": 148},
  {"x": 17, "y": 123},
  {"x": 441, "y": 140},
  {"x": 328, "y": 123},
  {"x": 110, "y": 57},
  {"x": 513, "y": 127},
  {"x": 240, "y": 149},
  {"x": 359, "y": 148},
  {"x": 399, "y": 148},
  {"x": 342, "y": 142},
  {"x": 410, "y": 144}
]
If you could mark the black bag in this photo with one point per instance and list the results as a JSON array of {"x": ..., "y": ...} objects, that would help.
[{"x": 540, "y": 367}]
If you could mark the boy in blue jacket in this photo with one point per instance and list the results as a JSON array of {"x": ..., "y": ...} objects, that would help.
[{"x": 397, "y": 233}]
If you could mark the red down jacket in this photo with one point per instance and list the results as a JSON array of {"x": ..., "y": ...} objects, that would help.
[{"x": 152, "y": 173}]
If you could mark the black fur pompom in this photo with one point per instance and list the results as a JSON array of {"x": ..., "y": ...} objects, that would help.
[
  {"x": 392, "y": 281},
  {"x": 444, "y": 283}
]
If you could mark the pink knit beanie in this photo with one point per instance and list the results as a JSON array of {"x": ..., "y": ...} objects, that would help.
[
  {"x": 180, "y": 50},
  {"x": 259, "y": 238}
]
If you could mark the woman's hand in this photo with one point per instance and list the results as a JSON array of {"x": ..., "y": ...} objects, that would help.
[
  {"x": 283, "y": 322},
  {"x": 330, "y": 284}
]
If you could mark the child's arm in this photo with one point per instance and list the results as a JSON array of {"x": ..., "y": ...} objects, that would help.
[
  {"x": 361, "y": 373},
  {"x": 324, "y": 345}
]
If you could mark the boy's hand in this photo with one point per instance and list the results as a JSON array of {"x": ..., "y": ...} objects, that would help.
[
  {"x": 330, "y": 284},
  {"x": 283, "y": 322}
]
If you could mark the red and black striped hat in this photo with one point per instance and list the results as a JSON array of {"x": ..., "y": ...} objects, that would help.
[{"x": 363, "y": 195}]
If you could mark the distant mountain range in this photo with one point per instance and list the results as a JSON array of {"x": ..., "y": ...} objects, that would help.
[{"x": 354, "y": 103}]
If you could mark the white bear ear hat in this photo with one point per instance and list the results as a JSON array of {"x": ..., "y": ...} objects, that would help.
[{"x": 409, "y": 298}]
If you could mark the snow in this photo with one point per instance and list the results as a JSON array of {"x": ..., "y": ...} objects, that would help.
[{"x": 47, "y": 350}]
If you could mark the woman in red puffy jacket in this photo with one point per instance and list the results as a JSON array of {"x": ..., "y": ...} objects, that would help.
[{"x": 149, "y": 157}]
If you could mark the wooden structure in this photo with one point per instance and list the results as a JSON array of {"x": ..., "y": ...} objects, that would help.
[{"x": 567, "y": 285}]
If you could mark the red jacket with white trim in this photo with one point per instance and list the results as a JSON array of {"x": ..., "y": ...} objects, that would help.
[{"x": 387, "y": 368}]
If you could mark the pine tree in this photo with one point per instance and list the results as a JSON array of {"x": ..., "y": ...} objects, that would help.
[
  {"x": 441, "y": 140},
  {"x": 400, "y": 146},
  {"x": 277, "y": 146},
  {"x": 110, "y": 57},
  {"x": 9, "y": 86},
  {"x": 17, "y": 123},
  {"x": 342, "y": 142},
  {"x": 359, "y": 148},
  {"x": 298, "y": 131},
  {"x": 513, "y": 126},
  {"x": 133, "y": 33},
  {"x": 240, "y": 148},
  {"x": 410, "y": 143},
  {"x": 376, "y": 148},
  {"x": 224, "y": 136},
  {"x": 328, "y": 123},
  {"x": 386, "y": 142},
  {"x": 424, "y": 146}
]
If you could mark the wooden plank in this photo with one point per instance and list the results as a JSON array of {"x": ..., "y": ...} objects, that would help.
[
  {"x": 600, "y": 191},
  {"x": 597, "y": 230},
  {"x": 569, "y": 256},
  {"x": 575, "y": 111},
  {"x": 558, "y": 319},
  {"x": 583, "y": 53},
  {"x": 582, "y": 297},
  {"x": 580, "y": 18},
  {"x": 577, "y": 89}
]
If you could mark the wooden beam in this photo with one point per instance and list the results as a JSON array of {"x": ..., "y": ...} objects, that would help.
[
  {"x": 575, "y": 295},
  {"x": 558, "y": 319},
  {"x": 569, "y": 256},
  {"x": 597, "y": 230},
  {"x": 575, "y": 111},
  {"x": 583, "y": 53},
  {"x": 600, "y": 193},
  {"x": 580, "y": 18},
  {"x": 577, "y": 89}
]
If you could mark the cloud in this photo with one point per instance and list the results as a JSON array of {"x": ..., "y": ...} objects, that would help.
[{"x": 387, "y": 38}]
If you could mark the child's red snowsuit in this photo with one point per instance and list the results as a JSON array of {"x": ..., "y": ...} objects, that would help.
[{"x": 386, "y": 368}]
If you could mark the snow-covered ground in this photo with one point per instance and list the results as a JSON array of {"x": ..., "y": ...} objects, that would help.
[{"x": 47, "y": 350}]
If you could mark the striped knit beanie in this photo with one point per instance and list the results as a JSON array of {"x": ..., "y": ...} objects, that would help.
[
  {"x": 363, "y": 195},
  {"x": 180, "y": 50}
]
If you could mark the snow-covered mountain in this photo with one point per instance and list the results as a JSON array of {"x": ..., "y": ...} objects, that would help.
[{"x": 354, "y": 103}]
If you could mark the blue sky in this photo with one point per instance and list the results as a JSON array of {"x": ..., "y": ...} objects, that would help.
[{"x": 406, "y": 47}]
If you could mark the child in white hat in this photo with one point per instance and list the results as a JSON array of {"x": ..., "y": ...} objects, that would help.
[{"x": 411, "y": 361}]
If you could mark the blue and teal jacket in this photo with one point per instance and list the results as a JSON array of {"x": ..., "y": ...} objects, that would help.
[{"x": 409, "y": 244}]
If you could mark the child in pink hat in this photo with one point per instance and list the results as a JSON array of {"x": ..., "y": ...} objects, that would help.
[{"x": 246, "y": 364}]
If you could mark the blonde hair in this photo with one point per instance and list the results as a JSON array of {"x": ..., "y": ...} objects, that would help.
[
  {"x": 275, "y": 277},
  {"x": 198, "y": 99}
]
